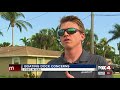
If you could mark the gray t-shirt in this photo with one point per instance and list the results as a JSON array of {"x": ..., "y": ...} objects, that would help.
[{"x": 85, "y": 58}]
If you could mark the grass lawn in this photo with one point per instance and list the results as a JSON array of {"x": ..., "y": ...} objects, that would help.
[
  {"x": 10, "y": 77},
  {"x": 116, "y": 75}
]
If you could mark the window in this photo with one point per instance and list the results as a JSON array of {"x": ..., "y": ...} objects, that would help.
[
  {"x": 39, "y": 60},
  {"x": 15, "y": 60}
]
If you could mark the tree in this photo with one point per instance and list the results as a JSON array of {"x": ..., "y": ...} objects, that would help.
[
  {"x": 39, "y": 40},
  {"x": 1, "y": 13},
  {"x": 116, "y": 59},
  {"x": 1, "y": 33},
  {"x": 115, "y": 32},
  {"x": 4, "y": 44},
  {"x": 46, "y": 39},
  {"x": 57, "y": 44},
  {"x": 87, "y": 42},
  {"x": 12, "y": 17},
  {"x": 104, "y": 49},
  {"x": 25, "y": 41}
]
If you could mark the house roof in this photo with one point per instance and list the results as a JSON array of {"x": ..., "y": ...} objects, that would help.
[{"x": 27, "y": 51}]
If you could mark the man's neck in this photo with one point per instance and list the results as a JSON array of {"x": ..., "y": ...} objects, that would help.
[{"x": 71, "y": 55}]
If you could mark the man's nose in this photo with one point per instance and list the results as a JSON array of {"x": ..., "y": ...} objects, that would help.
[{"x": 65, "y": 34}]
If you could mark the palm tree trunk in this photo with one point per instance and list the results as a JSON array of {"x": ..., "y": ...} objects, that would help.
[
  {"x": 104, "y": 53},
  {"x": 44, "y": 47},
  {"x": 119, "y": 52},
  {"x": 12, "y": 37}
]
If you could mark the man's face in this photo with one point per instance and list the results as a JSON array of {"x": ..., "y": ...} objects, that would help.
[{"x": 70, "y": 41}]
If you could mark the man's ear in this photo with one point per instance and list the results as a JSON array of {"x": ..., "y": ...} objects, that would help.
[{"x": 83, "y": 36}]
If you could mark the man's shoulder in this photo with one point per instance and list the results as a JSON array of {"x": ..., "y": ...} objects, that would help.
[
  {"x": 99, "y": 57},
  {"x": 92, "y": 58},
  {"x": 100, "y": 60}
]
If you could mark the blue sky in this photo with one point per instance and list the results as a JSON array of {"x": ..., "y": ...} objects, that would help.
[{"x": 40, "y": 20}]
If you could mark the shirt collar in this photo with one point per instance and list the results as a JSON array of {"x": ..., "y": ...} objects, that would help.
[{"x": 84, "y": 57}]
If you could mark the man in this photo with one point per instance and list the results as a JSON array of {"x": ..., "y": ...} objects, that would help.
[{"x": 71, "y": 32}]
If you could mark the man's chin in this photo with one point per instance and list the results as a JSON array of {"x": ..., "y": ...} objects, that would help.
[{"x": 68, "y": 47}]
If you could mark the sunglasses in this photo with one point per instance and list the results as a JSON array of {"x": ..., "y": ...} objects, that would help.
[{"x": 69, "y": 31}]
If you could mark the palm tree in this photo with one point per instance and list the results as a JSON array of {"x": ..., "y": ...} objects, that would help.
[
  {"x": 115, "y": 32},
  {"x": 1, "y": 33},
  {"x": 57, "y": 43},
  {"x": 1, "y": 13},
  {"x": 12, "y": 17},
  {"x": 25, "y": 40},
  {"x": 46, "y": 39},
  {"x": 103, "y": 48},
  {"x": 87, "y": 42}
]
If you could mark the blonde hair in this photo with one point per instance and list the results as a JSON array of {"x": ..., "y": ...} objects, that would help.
[{"x": 74, "y": 19}]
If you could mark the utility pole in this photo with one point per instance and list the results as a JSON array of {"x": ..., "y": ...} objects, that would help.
[{"x": 92, "y": 33}]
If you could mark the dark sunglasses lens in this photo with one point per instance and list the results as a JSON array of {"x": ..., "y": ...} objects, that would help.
[
  {"x": 71, "y": 31},
  {"x": 61, "y": 32}
]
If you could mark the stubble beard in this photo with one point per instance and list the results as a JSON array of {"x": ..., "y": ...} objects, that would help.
[{"x": 70, "y": 47}]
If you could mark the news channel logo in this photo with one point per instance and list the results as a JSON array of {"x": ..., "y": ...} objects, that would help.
[{"x": 104, "y": 70}]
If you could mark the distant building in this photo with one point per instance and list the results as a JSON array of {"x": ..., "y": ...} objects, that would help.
[{"x": 24, "y": 55}]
